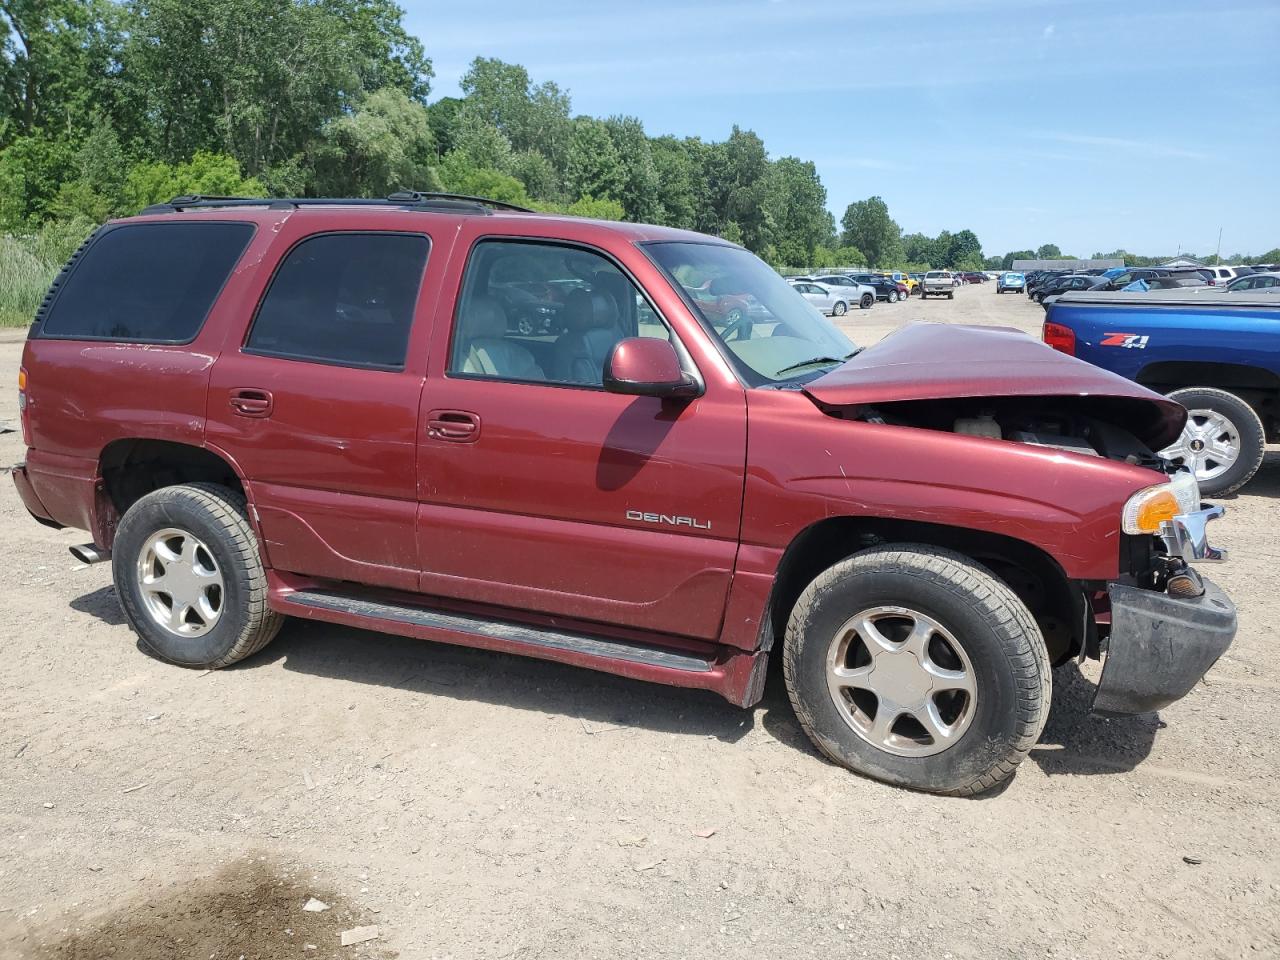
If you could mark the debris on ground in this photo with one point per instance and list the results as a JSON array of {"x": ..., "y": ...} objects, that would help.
[
  {"x": 358, "y": 935},
  {"x": 315, "y": 906}
]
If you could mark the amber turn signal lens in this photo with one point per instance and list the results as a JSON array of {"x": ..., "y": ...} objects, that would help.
[
  {"x": 1149, "y": 508},
  {"x": 22, "y": 379}
]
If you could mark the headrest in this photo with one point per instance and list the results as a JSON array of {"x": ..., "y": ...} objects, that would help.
[
  {"x": 592, "y": 310},
  {"x": 484, "y": 317}
]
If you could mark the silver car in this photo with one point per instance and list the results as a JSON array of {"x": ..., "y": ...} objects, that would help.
[
  {"x": 833, "y": 301},
  {"x": 858, "y": 293}
]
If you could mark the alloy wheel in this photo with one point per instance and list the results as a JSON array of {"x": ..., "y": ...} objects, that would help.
[
  {"x": 182, "y": 588},
  {"x": 1209, "y": 445},
  {"x": 901, "y": 681}
]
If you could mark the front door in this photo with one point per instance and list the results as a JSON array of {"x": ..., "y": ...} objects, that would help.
[
  {"x": 539, "y": 490},
  {"x": 318, "y": 404}
]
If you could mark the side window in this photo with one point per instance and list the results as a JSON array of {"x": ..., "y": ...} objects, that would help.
[
  {"x": 146, "y": 282},
  {"x": 343, "y": 298},
  {"x": 545, "y": 313}
]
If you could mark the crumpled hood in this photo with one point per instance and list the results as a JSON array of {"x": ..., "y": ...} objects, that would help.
[{"x": 934, "y": 361}]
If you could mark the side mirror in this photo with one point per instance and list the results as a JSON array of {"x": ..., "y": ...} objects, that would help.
[{"x": 647, "y": 367}]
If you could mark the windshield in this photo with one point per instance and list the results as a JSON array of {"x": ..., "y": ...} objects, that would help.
[{"x": 766, "y": 328}]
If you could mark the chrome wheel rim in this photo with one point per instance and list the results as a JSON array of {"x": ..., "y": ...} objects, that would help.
[
  {"x": 901, "y": 681},
  {"x": 181, "y": 585},
  {"x": 1209, "y": 445}
]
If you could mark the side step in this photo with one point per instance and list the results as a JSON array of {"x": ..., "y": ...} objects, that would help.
[{"x": 561, "y": 640}]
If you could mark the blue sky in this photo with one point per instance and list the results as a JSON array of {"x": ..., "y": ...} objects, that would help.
[{"x": 1093, "y": 125}]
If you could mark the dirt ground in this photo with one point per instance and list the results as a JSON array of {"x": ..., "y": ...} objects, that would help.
[{"x": 469, "y": 804}]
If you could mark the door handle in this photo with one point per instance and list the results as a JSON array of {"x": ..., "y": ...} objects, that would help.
[
  {"x": 251, "y": 402},
  {"x": 458, "y": 426}
]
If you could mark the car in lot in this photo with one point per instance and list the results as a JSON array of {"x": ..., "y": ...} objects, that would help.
[
  {"x": 1011, "y": 282},
  {"x": 319, "y": 409},
  {"x": 905, "y": 280},
  {"x": 1222, "y": 276},
  {"x": 938, "y": 283},
  {"x": 885, "y": 289},
  {"x": 973, "y": 276},
  {"x": 857, "y": 294},
  {"x": 1215, "y": 352},
  {"x": 832, "y": 301},
  {"x": 1255, "y": 281},
  {"x": 1062, "y": 285}
]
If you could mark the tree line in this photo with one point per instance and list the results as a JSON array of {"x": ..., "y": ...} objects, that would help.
[
  {"x": 1051, "y": 251},
  {"x": 109, "y": 105}
]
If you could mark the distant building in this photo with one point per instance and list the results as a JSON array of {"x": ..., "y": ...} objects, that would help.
[
  {"x": 1106, "y": 263},
  {"x": 1183, "y": 262}
]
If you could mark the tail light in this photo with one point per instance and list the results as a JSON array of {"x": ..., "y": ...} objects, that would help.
[
  {"x": 22, "y": 405},
  {"x": 1060, "y": 338}
]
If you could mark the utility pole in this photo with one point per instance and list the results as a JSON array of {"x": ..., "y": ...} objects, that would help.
[{"x": 1218, "y": 254}]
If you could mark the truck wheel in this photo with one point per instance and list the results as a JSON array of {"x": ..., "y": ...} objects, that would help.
[
  {"x": 839, "y": 309},
  {"x": 951, "y": 294},
  {"x": 190, "y": 579},
  {"x": 914, "y": 665},
  {"x": 1223, "y": 442},
  {"x": 867, "y": 302}
]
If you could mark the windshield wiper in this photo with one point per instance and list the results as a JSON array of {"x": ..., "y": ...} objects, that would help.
[{"x": 813, "y": 361}]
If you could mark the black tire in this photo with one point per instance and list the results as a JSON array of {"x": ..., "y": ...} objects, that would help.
[
  {"x": 840, "y": 309},
  {"x": 216, "y": 516},
  {"x": 998, "y": 634},
  {"x": 867, "y": 302},
  {"x": 1253, "y": 443},
  {"x": 951, "y": 295}
]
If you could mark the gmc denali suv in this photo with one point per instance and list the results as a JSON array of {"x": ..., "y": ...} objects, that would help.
[{"x": 326, "y": 409}]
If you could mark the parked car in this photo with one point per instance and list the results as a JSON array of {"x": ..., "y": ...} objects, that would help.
[
  {"x": 1218, "y": 354},
  {"x": 1221, "y": 276},
  {"x": 906, "y": 280},
  {"x": 1255, "y": 281},
  {"x": 1011, "y": 282},
  {"x": 1062, "y": 285},
  {"x": 318, "y": 409},
  {"x": 939, "y": 283},
  {"x": 832, "y": 301},
  {"x": 972, "y": 276},
  {"x": 859, "y": 294},
  {"x": 885, "y": 289}
]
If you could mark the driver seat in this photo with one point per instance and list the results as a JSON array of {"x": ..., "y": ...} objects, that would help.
[{"x": 591, "y": 319}]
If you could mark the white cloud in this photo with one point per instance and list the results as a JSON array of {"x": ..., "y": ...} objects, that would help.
[
  {"x": 1143, "y": 147},
  {"x": 1049, "y": 31}
]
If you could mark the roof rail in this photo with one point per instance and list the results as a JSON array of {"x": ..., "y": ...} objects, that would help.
[{"x": 408, "y": 199}]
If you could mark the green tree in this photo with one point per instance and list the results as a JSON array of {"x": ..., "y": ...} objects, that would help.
[
  {"x": 458, "y": 175},
  {"x": 443, "y": 118},
  {"x": 1007, "y": 262},
  {"x": 594, "y": 209},
  {"x": 593, "y": 165},
  {"x": 534, "y": 118},
  {"x": 205, "y": 173},
  {"x": 677, "y": 180},
  {"x": 32, "y": 169},
  {"x": 736, "y": 172},
  {"x": 868, "y": 226},
  {"x": 640, "y": 193},
  {"x": 796, "y": 203},
  {"x": 97, "y": 192},
  {"x": 1048, "y": 251},
  {"x": 964, "y": 252},
  {"x": 918, "y": 248},
  {"x": 383, "y": 146}
]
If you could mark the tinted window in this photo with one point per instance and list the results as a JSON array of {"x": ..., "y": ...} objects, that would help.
[
  {"x": 147, "y": 282},
  {"x": 343, "y": 298},
  {"x": 545, "y": 313}
]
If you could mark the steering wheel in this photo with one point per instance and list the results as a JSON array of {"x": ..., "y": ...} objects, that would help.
[{"x": 739, "y": 326}]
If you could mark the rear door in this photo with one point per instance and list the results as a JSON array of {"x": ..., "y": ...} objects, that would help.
[
  {"x": 317, "y": 401},
  {"x": 539, "y": 490}
]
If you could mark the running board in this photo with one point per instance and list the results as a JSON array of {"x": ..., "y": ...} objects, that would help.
[{"x": 560, "y": 640}]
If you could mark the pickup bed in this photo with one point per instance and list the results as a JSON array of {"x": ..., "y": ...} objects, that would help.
[
  {"x": 1216, "y": 353},
  {"x": 334, "y": 410}
]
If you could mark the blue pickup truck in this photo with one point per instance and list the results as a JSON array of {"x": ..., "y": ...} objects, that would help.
[{"x": 1218, "y": 354}]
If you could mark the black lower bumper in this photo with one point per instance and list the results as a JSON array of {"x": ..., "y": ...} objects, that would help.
[{"x": 1160, "y": 646}]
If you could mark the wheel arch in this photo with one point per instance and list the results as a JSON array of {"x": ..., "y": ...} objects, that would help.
[
  {"x": 1057, "y": 604},
  {"x": 129, "y": 468}
]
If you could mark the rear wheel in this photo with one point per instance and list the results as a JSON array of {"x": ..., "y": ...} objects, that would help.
[
  {"x": 190, "y": 579},
  {"x": 868, "y": 301},
  {"x": 951, "y": 294},
  {"x": 916, "y": 666},
  {"x": 1223, "y": 442}
]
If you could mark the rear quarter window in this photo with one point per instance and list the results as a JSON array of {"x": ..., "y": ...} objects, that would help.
[{"x": 145, "y": 282}]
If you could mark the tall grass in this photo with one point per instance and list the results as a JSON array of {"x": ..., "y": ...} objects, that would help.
[{"x": 28, "y": 264}]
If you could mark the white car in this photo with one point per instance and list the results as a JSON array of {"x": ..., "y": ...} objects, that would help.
[
  {"x": 1224, "y": 275},
  {"x": 833, "y": 301},
  {"x": 858, "y": 293}
]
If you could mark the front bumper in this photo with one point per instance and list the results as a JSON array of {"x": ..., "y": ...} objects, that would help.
[{"x": 1160, "y": 646}]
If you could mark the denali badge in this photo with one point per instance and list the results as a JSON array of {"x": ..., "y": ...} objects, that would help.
[{"x": 664, "y": 518}]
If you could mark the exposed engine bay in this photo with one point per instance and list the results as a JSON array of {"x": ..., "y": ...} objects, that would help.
[{"x": 1082, "y": 425}]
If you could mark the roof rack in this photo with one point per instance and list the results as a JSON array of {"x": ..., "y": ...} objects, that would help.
[{"x": 405, "y": 199}]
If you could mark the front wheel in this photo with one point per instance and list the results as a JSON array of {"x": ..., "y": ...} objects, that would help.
[
  {"x": 868, "y": 301},
  {"x": 1223, "y": 442},
  {"x": 914, "y": 665},
  {"x": 839, "y": 309},
  {"x": 190, "y": 579}
]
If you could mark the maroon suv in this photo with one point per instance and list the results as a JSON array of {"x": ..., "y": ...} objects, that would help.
[{"x": 327, "y": 410}]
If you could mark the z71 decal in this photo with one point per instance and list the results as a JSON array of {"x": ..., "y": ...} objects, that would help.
[{"x": 1133, "y": 341}]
